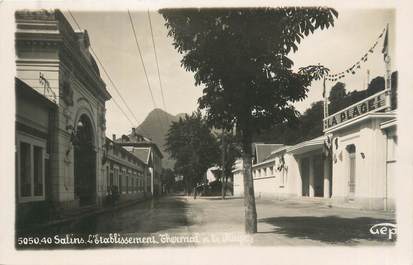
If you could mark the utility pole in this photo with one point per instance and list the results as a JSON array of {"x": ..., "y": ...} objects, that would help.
[
  {"x": 387, "y": 60},
  {"x": 325, "y": 102}
]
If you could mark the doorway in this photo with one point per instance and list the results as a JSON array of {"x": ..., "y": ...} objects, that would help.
[
  {"x": 84, "y": 162},
  {"x": 305, "y": 181},
  {"x": 351, "y": 149}
]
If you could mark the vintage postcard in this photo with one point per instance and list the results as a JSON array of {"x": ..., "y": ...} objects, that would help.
[{"x": 190, "y": 128}]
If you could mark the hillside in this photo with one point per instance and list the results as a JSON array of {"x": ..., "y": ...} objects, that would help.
[{"x": 155, "y": 126}]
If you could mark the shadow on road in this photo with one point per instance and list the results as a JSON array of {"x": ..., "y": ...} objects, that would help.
[
  {"x": 327, "y": 229},
  {"x": 146, "y": 217},
  {"x": 215, "y": 198}
]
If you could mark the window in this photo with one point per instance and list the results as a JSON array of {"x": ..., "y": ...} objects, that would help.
[
  {"x": 121, "y": 189},
  {"x": 116, "y": 175},
  {"x": 25, "y": 170},
  {"x": 107, "y": 179},
  {"x": 30, "y": 168},
  {"x": 38, "y": 170}
]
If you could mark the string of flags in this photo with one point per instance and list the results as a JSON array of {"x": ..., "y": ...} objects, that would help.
[{"x": 357, "y": 65}]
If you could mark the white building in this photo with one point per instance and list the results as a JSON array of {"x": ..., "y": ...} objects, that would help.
[
  {"x": 60, "y": 118},
  {"x": 358, "y": 170}
]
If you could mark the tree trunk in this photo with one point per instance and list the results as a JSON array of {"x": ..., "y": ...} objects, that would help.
[
  {"x": 249, "y": 198},
  {"x": 224, "y": 149},
  {"x": 187, "y": 187}
]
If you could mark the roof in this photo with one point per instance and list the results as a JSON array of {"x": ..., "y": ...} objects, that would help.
[
  {"x": 262, "y": 151},
  {"x": 142, "y": 161},
  {"x": 276, "y": 152},
  {"x": 141, "y": 153},
  {"x": 307, "y": 146},
  {"x": 26, "y": 91},
  {"x": 127, "y": 141}
]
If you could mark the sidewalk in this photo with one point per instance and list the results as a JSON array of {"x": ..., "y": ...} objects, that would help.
[{"x": 79, "y": 213}]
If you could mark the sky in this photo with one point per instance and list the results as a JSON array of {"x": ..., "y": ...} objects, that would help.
[{"x": 112, "y": 39}]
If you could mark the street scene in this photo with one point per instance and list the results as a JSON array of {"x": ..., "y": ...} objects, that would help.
[
  {"x": 271, "y": 126},
  {"x": 281, "y": 223}
]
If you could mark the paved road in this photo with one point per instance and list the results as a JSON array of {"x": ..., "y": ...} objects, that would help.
[{"x": 208, "y": 221}]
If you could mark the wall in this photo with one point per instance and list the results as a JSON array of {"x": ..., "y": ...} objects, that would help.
[
  {"x": 78, "y": 89},
  {"x": 370, "y": 170}
]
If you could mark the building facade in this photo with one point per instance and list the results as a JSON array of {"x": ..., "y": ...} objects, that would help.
[
  {"x": 125, "y": 174},
  {"x": 148, "y": 152},
  {"x": 352, "y": 164},
  {"x": 54, "y": 61}
]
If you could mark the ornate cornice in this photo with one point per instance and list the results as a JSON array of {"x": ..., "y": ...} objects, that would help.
[{"x": 50, "y": 29}]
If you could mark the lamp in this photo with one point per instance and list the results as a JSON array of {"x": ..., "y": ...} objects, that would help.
[{"x": 79, "y": 124}]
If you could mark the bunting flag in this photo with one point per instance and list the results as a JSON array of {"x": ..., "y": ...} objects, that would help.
[{"x": 352, "y": 69}]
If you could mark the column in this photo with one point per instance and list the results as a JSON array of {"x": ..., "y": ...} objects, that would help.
[
  {"x": 311, "y": 176},
  {"x": 299, "y": 174},
  {"x": 327, "y": 177}
]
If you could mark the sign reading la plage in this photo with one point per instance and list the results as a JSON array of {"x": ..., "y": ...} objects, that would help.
[{"x": 373, "y": 103}]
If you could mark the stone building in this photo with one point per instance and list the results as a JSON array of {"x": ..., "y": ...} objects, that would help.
[{"x": 54, "y": 61}]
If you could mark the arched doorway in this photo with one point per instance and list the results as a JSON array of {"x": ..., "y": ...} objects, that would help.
[{"x": 84, "y": 162}]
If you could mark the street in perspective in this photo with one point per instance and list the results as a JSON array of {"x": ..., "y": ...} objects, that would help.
[
  {"x": 179, "y": 221},
  {"x": 200, "y": 127}
]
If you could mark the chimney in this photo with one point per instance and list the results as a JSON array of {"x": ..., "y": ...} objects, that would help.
[
  {"x": 113, "y": 137},
  {"x": 133, "y": 131}
]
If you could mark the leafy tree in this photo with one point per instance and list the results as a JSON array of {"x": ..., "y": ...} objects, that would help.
[
  {"x": 340, "y": 98},
  {"x": 311, "y": 122},
  {"x": 336, "y": 97},
  {"x": 229, "y": 153},
  {"x": 190, "y": 142},
  {"x": 375, "y": 85},
  {"x": 168, "y": 178},
  {"x": 308, "y": 126},
  {"x": 240, "y": 56}
]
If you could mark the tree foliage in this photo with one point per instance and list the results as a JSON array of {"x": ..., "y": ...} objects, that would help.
[
  {"x": 168, "y": 178},
  {"x": 190, "y": 142},
  {"x": 339, "y": 97},
  {"x": 309, "y": 123},
  {"x": 240, "y": 56}
]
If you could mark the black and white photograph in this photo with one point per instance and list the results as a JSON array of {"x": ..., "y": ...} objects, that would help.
[{"x": 188, "y": 127}]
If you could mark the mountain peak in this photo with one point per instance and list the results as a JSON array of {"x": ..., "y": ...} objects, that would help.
[{"x": 156, "y": 126}]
